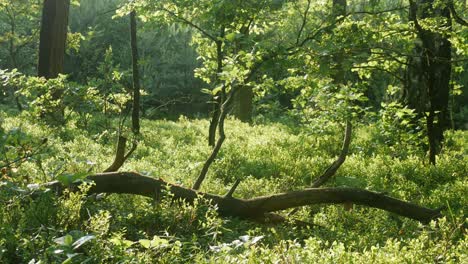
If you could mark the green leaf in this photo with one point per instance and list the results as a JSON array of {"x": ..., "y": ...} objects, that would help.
[
  {"x": 66, "y": 240},
  {"x": 156, "y": 242},
  {"x": 206, "y": 91},
  {"x": 69, "y": 179},
  {"x": 216, "y": 90},
  {"x": 82, "y": 241},
  {"x": 146, "y": 243},
  {"x": 231, "y": 36}
]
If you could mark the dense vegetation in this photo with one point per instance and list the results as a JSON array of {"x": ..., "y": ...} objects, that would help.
[{"x": 233, "y": 99}]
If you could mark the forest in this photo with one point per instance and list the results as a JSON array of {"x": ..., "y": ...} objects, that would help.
[{"x": 233, "y": 131}]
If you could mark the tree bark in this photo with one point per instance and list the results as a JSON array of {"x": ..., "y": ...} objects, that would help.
[
  {"x": 243, "y": 104},
  {"x": 219, "y": 97},
  {"x": 52, "y": 44},
  {"x": 214, "y": 123},
  {"x": 222, "y": 136},
  {"x": 53, "y": 38},
  {"x": 120, "y": 156},
  {"x": 330, "y": 171},
  {"x": 255, "y": 208},
  {"x": 333, "y": 168},
  {"x": 136, "y": 75}
]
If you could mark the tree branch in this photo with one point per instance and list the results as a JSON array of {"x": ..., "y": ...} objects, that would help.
[
  {"x": 333, "y": 168},
  {"x": 330, "y": 171},
  {"x": 219, "y": 143},
  {"x": 304, "y": 22},
  {"x": 190, "y": 23},
  {"x": 24, "y": 157},
  {"x": 381, "y": 69},
  {"x": 120, "y": 156},
  {"x": 455, "y": 15}
]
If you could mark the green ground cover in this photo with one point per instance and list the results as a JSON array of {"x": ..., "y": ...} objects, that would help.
[{"x": 268, "y": 157}]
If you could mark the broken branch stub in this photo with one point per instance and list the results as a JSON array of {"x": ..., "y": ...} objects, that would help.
[
  {"x": 120, "y": 156},
  {"x": 333, "y": 168}
]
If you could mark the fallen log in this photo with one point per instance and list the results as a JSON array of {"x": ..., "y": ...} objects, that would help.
[{"x": 254, "y": 208}]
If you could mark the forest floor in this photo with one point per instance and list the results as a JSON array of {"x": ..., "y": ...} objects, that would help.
[{"x": 268, "y": 157}]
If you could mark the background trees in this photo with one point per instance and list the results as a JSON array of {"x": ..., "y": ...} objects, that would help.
[{"x": 374, "y": 40}]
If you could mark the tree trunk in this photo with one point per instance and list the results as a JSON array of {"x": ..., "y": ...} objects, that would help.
[
  {"x": 429, "y": 74},
  {"x": 219, "y": 97},
  {"x": 136, "y": 75},
  {"x": 223, "y": 111},
  {"x": 214, "y": 123},
  {"x": 243, "y": 104},
  {"x": 53, "y": 38},
  {"x": 255, "y": 208}
]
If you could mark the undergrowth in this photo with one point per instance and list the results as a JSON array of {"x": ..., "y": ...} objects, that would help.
[{"x": 40, "y": 227}]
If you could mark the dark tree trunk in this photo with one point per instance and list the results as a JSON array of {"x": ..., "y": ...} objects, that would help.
[
  {"x": 223, "y": 111},
  {"x": 53, "y": 38},
  {"x": 214, "y": 123},
  {"x": 429, "y": 74},
  {"x": 243, "y": 104},
  {"x": 219, "y": 97},
  {"x": 136, "y": 75}
]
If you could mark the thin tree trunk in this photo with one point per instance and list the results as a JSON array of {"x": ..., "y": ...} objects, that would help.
[
  {"x": 120, "y": 156},
  {"x": 219, "y": 97},
  {"x": 136, "y": 75},
  {"x": 213, "y": 124},
  {"x": 222, "y": 136},
  {"x": 333, "y": 168}
]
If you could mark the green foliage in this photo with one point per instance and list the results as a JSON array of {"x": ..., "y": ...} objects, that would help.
[
  {"x": 44, "y": 97},
  {"x": 400, "y": 127},
  {"x": 67, "y": 246},
  {"x": 19, "y": 38}
]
